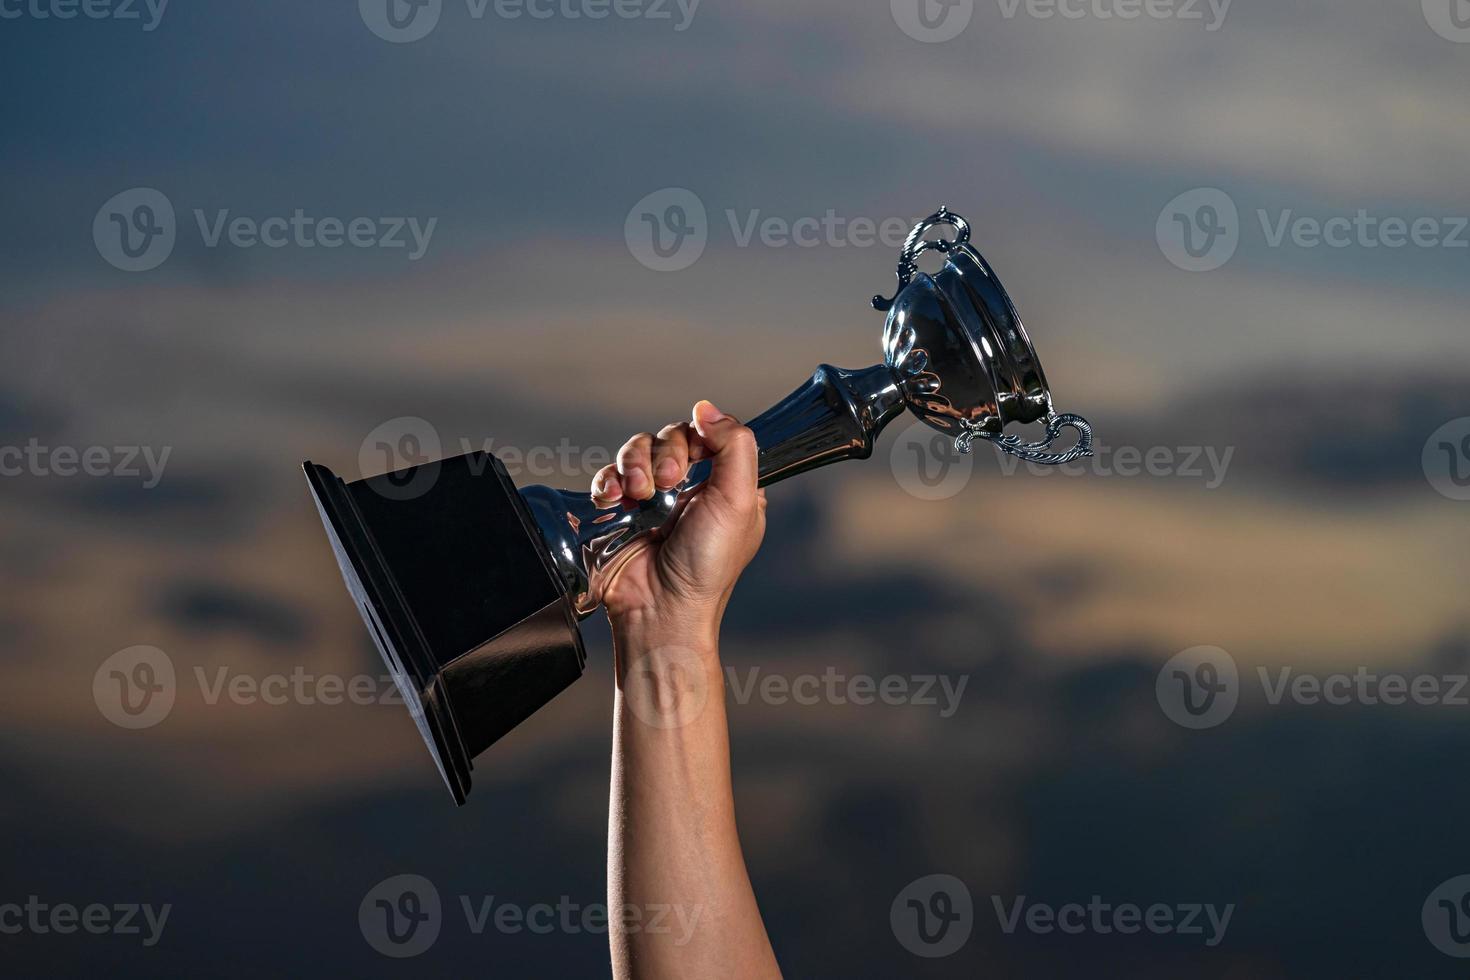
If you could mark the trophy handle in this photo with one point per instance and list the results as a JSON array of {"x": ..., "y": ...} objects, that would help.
[
  {"x": 836, "y": 415},
  {"x": 1035, "y": 452},
  {"x": 916, "y": 245}
]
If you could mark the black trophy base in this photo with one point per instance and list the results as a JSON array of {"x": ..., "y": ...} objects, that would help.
[{"x": 452, "y": 579}]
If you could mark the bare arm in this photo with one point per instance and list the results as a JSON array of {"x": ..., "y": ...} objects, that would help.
[{"x": 679, "y": 898}]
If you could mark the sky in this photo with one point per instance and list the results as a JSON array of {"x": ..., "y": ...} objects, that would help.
[{"x": 1236, "y": 233}]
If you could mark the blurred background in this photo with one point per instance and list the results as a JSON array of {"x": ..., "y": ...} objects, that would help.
[{"x": 237, "y": 236}]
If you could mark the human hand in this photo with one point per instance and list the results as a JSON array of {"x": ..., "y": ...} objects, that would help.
[{"x": 676, "y": 587}]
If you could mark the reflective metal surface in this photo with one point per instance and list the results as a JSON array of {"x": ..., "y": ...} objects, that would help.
[
  {"x": 954, "y": 353},
  {"x": 836, "y": 415}
]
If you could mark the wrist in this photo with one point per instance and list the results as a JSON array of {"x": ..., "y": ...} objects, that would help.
[{"x": 692, "y": 632}]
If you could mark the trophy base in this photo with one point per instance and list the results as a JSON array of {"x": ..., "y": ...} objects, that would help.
[{"x": 459, "y": 594}]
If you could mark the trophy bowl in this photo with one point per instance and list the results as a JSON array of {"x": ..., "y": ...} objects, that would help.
[{"x": 472, "y": 589}]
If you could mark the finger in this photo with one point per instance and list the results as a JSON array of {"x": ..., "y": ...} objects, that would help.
[
  {"x": 607, "y": 489},
  {"x": 671, "y": 455},
  {"x": 635, "y": 466},
  {"x": 732, "y": 448}
]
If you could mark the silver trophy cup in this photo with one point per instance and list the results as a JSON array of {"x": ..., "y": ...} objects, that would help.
[{"x": 472, "y": 589}]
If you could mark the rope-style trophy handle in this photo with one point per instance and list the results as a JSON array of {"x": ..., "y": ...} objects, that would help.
[
  {"x": 1036, "y": 452},
  {"x": 916, "y": 244}
]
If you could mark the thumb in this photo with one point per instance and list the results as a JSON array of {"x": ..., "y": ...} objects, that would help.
[{"x": 732, "y": 451}]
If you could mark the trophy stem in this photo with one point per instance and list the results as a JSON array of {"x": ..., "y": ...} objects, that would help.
[{"x": 836, "y": 415}]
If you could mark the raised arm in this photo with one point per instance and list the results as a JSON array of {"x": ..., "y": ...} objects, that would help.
[{"x": 680, "y": 901}]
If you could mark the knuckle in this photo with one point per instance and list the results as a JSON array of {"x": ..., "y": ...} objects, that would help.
[{"x": 635, "y": 449}]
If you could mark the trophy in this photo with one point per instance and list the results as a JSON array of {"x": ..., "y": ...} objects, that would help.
[{"x": 473, "y": 589}]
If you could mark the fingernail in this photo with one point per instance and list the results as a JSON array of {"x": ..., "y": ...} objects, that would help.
[
  {"x": 609, "y": 489},
  {"x": 705, "y": 411},
  {"x": 635, "y": 480},
  {"x": 668, "y": 473}
]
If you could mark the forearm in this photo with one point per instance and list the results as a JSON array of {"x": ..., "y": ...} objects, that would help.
[{"x": 672, "y": 842}]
